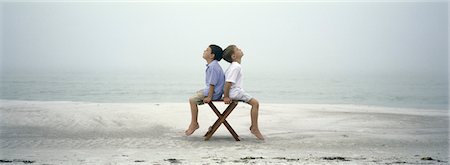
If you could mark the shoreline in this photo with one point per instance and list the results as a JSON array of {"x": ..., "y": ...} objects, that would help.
[{"x": 266, "y": 103}]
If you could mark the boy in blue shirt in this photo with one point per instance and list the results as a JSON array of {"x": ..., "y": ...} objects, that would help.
[{"x": 214, "y": 82}]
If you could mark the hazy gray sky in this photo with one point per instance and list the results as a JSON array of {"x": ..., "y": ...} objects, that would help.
[{"x": 303, "y": 37}]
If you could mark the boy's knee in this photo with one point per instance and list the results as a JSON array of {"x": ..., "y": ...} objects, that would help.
[
  {"x": 191, "y": 99},
  {"x": 196, "y": 100},
  {"x": 254, "y": 102}
]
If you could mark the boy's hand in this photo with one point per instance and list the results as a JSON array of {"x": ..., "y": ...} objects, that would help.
[
  {"x": 226, "y": 100},
  {"x": 207, "y": 99}
]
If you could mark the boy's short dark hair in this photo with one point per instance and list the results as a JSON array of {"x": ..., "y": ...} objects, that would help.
[
  {"x": 217, "y": 51},
  {"x": 228, "y": 52}
]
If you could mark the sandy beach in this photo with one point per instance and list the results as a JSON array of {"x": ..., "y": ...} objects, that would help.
[{"x": 59, "y": 132}]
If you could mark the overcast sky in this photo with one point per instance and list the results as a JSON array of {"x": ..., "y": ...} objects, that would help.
[{"x": 287, "y": 37}]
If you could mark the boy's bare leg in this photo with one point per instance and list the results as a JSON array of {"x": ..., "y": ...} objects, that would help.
[
  {"x": 194, "y": 115},
  {"x": 254, "y": 117}
]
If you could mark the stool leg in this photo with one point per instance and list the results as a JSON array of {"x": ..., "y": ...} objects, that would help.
[
  {"x": 217, "y": 112},
  {"x": 227, "y": 125},
  {"x": 217, "y": 122},
  {"x": 220, "y": 120}
]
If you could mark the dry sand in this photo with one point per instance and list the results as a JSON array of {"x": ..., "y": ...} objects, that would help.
[{"x": 153, "y": 133}]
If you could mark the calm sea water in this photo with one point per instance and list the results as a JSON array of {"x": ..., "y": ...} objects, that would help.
[{"x": 382, "y": 90}]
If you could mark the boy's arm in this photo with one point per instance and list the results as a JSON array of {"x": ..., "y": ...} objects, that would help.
[
  {"x": 226, "y": 93},
  {"x": 208, "y": 98}
]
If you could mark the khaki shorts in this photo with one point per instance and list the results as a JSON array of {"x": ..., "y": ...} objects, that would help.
[{"x": 198, "y": 97}]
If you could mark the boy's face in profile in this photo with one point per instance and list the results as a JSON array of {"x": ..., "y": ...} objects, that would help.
[
  {"x": 237, "y": 53},
  {"x": 207, "y": 53}
]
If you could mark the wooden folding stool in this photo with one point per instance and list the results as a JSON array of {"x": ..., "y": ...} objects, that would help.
[{"x": 221, "y": 119}]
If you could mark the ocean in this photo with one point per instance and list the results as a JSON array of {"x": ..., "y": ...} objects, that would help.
[{"x": 412, "y": 91}]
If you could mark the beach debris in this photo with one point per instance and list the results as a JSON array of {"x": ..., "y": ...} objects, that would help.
[
  {"x": 247, "y": 159},
  {"x": 251, "y": 157},
  {"x": 335, "y": 158},
  {"x": 5, "y": 161},
  {"x": 399, "y": 162},
  {"x": 16, "y": 160},
  {"x": 427, "y": 158},
  {"x": 172, "y": 160},
  {"x": 139, "y": 161},
  {"x": 287, "y": 159}
]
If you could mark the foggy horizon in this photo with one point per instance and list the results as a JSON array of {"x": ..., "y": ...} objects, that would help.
[{"x": 297, "y": 37}]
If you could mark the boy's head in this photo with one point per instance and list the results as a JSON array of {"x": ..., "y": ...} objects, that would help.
[
  {"x": 232, "y": 53},
  {"x": 213, "y": 52}
]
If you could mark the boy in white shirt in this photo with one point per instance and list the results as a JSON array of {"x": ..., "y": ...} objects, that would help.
[{"x": 233, "y": 89}]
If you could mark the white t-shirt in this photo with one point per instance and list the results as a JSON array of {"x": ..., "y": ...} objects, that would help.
[{"x": 234, "y": 75}]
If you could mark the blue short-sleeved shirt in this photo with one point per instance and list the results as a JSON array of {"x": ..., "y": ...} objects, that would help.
[{"x": 216, "y": 77}]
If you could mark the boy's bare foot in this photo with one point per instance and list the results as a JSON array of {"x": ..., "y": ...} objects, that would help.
[
  {"x": 255, "y": 131},
  {"x": 191, "y": 129}
]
